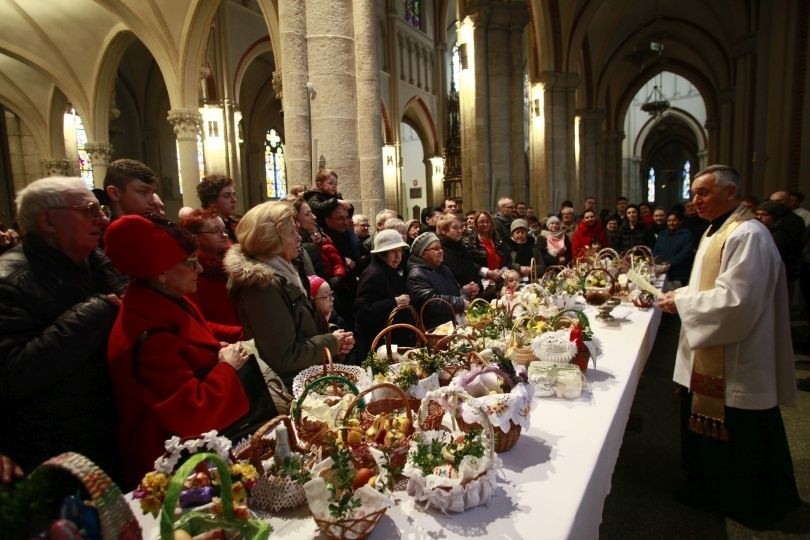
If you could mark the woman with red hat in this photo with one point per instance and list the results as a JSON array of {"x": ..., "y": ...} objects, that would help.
[{"x": 170, "y": 373}]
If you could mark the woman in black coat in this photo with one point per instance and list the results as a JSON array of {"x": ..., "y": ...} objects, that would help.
[
  {"x": 428, "y": 278},
  {"x": 381, "y": 288}
]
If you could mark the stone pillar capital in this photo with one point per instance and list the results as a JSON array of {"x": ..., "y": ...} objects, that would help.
[
  {"x": 55, "y": 167},
  {"x": 556, "y": 81},
  {"x": 186, "y": 123},
  {"x": 100, "y": 153}
]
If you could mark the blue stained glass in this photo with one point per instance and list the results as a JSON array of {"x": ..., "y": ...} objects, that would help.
[
  {"x": 651, "y": 185},
  {"x": 685, "y": 195},
  {"x": 275, "y": 165}
]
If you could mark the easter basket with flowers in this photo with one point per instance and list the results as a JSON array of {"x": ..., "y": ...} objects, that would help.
[
  {"x": 197, "y": 487},
  {"x": 314, "y": 413},
  {"x": 452, "y": 470},
  {"x": 524, "y": 331}
]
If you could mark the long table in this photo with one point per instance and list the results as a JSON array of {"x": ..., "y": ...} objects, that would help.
[{"x": 554, "y": 482}]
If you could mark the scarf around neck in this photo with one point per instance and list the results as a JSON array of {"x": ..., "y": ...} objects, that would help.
[
  {"x": 284, "y": 269},
  {"x": 555, "y": 242}
]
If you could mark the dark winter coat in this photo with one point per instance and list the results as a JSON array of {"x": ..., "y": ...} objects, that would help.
[
  {"x": 322, "y": 204},
  {"x": 675, "y": 247},
  {"x": 426, "y": 281},
  {"x": 55, "y": 390}
]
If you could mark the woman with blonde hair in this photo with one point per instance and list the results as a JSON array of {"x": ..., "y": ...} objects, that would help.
[{"x": 270, "y": 297}]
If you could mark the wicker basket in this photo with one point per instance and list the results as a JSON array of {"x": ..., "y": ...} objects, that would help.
[
  {"x": 386, "y": 333},
  {"x": 457, "y": 365},
  {"x": 407, "y": 308},
  {"x": 434, "y": 339},
  {"x": 115, "y": 515},
  {"x": 567, "y": 319},
  {"x": 398, "y": 451},
  {"x": 311, "y": 432},
  {"x": 272, "y": 492},
  {"x": 345, "y": 529},
  {"x": 354, "y": 374},
  {"x": 504, "y": 441}
]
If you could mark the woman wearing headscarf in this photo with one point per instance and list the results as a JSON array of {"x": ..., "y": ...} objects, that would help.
[
  {"x": 270, "y": 297},
  {"x": 429, "y": 278},
  {"x": 589, "y": 233},
  {"x": 382, "y": 288},
  {"x": 170, "y": 373},
  {"x": 553, "y": 245}
]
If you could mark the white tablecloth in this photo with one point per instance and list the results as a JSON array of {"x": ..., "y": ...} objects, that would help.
[{"x": 554, "y": 482}]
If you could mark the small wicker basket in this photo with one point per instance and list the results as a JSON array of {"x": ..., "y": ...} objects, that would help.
[
  {"x": 504, "y": 440},
  {"x": 434, "y": 339}
]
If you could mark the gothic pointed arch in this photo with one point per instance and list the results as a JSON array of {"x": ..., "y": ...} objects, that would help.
[{"x": 417, "y": 114}]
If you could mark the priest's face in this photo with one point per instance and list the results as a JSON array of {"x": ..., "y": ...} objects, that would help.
[{"x": 712, "y": 200}]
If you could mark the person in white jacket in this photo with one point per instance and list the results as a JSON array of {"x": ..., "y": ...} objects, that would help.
[{"x": 734, "y": 363}]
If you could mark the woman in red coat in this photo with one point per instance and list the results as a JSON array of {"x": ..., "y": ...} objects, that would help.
[
  {"x": 170, "y": 374},
  {"x": 211, "y": 295},
  {"x": 589, "y": 233}
]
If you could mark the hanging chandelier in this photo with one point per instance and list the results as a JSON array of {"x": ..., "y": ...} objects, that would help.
[{"x": 656, "y": 104}]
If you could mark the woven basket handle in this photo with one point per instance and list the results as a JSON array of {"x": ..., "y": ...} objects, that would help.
[
  {"x": 451, "y": 396},
  {"x": 326, "y": 362},
  {"x": 441, "y": 301},
  {"x": 404, "y": 308},
  {"x": 115, "y": 515},
  {"x": 259, "y": 449},
  {"x": 451, "y": 337},
  {"x": 568, "y": 313},
  {"x": 387, "y": 333},
  {"x": 296, "y": 409},
  {"x": 388, "y": 386}
]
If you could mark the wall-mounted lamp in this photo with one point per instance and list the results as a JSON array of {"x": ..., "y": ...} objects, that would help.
[{"x": 462, "y": 56}]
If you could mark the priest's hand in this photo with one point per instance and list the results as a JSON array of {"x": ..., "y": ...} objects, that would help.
[{"x": 667, "y": 303}]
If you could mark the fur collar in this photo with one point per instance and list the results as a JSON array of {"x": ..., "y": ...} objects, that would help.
[{"x": 245, "y": 271}]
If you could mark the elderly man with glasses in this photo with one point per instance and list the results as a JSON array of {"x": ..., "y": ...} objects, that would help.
[{"x": 59, "y": 296}]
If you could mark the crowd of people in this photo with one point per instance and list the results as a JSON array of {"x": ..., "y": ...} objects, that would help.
[{"x": 120, "y": 328}]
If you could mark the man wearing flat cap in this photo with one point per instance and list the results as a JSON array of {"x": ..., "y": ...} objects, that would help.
[{"x": 58, "y": 301}]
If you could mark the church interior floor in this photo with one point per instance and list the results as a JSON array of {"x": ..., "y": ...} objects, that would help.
[{"x": 641, "y": 503}]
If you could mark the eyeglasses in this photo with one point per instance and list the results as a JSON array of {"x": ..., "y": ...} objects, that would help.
[
  {"x": 330, "y": 296},
  {"x": 91, "y": 210},
  {"x": 434, "y": 249},
  {"x": 190, "y": 263},
  {"x": 220, "y": 231}
]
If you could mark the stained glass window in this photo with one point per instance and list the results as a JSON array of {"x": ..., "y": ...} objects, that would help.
[
  {"x": 651, "y": 185},
  {"x": 85, "y": 165},
  {"x": 275, "y": 165},
  {"x": 455, "y": 68},
  {"x": 685, "y": 181},
  {"x": 413, "y": 13}
]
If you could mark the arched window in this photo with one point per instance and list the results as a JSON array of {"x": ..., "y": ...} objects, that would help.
[
  {"x": 73, "y": 122},
  {"x": 651, "y": 185},
  {"x": 455, "y": 68},
  {"x": 685, "y": 181},
  {"x": 275, "y": 165},
  {"x": 413, "y": 13}
]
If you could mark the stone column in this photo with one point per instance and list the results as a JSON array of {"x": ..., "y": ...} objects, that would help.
[
  {"x": 613, "y": 167},
  {"x": 56, "y": 167},
  {"x": 518, "y": 19},
  {"x": 100, "y": 154},
  {"x": 558, "y": 163},
  {"x": 295, "y": 100},
  {"x": 590, "y": 132},
  {"x": 187, "y": 124},
  {"x": 369, "y": 122},
  {"x": 726, "y": 128},
  {"x": 333, "y": 74}
]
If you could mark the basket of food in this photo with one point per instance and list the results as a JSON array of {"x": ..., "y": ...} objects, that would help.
[
  {"x": 453, "y": 351},
  {"x": 63, "y": 497},
  {"x": 506, "y": 398},
  {"x": 314, "y": 413},
  {"x": 347, "y": 500},
  {"x": 227, "y": 514},
  {"x": 569, "y": 342},
  {"x": 452, "y": 470},
  {"x": 283, "y": 466},
  {"x": 391, "y": 352},
  {"x": 524, "y": 331},
  {"x": 355, "y": 374},
  {"x": 387, "y": 426},
  {"x": 435, "y": 335}
]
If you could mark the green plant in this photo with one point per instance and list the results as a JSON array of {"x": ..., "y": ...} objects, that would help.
[
  {"x": 379, "y": 366},
  {"x": 438, "y": 452},
  {"x": 427, "y": 361},
  {"x": 295, "y": 468},
  {"x": 406, "y": 377},
  {"x": 343, "y": 502}
]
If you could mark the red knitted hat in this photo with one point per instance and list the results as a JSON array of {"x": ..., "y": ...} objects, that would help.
[
  {"x": 315, "y": 283},
  {"x": 145, "y": 247}
]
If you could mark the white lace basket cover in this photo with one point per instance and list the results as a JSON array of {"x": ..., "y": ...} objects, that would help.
[{"x": 475, "y": 482}]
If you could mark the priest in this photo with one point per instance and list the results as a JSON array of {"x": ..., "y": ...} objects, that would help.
[{"x": 735, "y": 362}]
